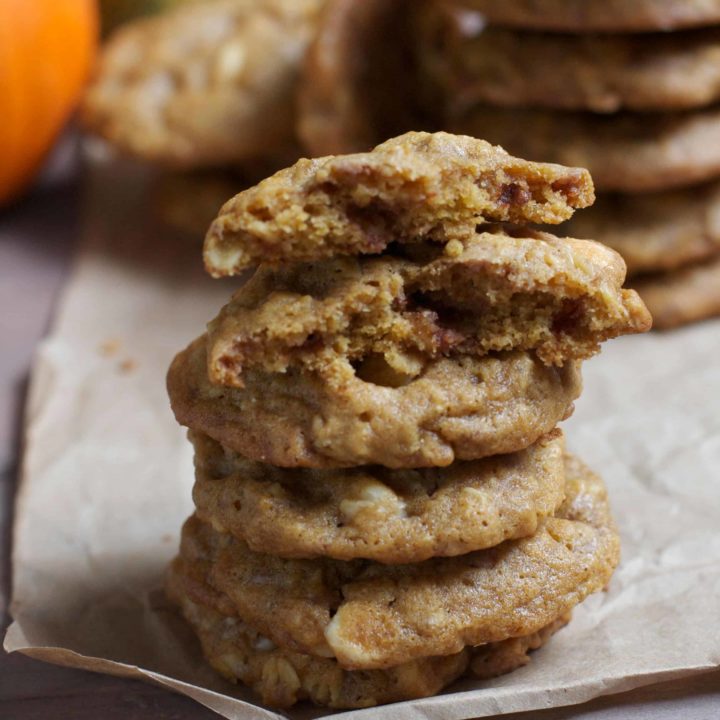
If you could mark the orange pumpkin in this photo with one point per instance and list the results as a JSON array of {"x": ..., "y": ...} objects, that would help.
[{"x": 46, "y": 51}]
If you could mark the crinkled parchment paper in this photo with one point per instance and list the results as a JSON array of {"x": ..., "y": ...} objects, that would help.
[{"x": 107, "y": 478}]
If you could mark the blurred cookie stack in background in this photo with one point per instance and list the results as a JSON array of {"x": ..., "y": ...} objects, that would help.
[
  {"x": 630, "y": 90},
  {"x": 383, "y": 499},
  {"x": 206, "y": 91}
]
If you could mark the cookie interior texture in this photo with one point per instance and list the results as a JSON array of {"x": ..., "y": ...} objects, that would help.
[
  {"x": 207, "y": 84},
  {"x": 497, "y": 290},
  {"x": 370, "y": 616},
  {"x": 416, "y": 186},
  {"x": 461, "y": 408},
  {"x": 389, "y": 516}
]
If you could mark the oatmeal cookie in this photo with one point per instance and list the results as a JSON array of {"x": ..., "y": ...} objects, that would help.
[
  {"x": 625, "y": 152},
  {"x": 282, "y": 677},
  {"x": 347, "y": 103},
  {"x": 500, "y": 658},
  {"x": 369, "y": 616},
  {"x": 602, "y": 73},
  {"x": 585, "y": 16},
  {"x": 499, "y": 289},
  {"x": 416, "y": 186},
  {"x": 655, "y": 231},
  {"x": 389, "y": 516},
  {"x": 209, "y": 83},
  {"x": 461, "y": 408},
  {"x": 682, "y": 296}
]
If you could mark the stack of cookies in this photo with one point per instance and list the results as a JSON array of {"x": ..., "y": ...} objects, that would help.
[
  {"x": 627, "y": 88},
  {"x": 384, "y": 501}
]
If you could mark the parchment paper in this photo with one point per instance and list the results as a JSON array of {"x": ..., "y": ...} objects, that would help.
[{"x": 107, "y": 477}]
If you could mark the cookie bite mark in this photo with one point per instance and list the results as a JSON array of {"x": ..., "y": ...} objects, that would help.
[{"x": 419, "y": 186}]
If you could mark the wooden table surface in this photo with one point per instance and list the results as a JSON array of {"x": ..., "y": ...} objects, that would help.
[{"x": 36, "y": 245}]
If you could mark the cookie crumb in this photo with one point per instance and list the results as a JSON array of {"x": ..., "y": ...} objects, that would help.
[
  {"x": 110, "y": 347},
  {"x": 127, "y": 365}
]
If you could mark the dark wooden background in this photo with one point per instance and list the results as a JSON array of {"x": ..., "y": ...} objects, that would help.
[{"x": 37, "y": 237}]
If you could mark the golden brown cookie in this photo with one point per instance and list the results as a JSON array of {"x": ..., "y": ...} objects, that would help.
[
  {"x": 358, "y": 85},
  {"x": 209, "y": 83},
  {"x": 454, "y": 408},
  {"x": 493, "y": 659},
  {"x": 614, "y": 16},
  {"x": 390, "y": 516},
  {"x": 282, "y": 677},
  {"x": 370, "y": 616},
  {"x": 655, "y": 231},
  {"x": 416, "y": 186},
  {"x": 499, "y": 289},
  {"x": 682, "y": 296},
  {"x": 624, "y": 152},
  {"x": 603, "y": 73}
]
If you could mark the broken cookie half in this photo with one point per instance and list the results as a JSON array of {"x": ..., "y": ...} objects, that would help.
[
  {"x": 500, "y": 288},
  {"x": 418, "y": 186}
]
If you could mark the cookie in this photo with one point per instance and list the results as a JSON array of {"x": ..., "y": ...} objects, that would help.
[
  {"x": 614, "y": 16},
  {"x": 498, "y": 289},
  {"x": 461, "y": 408},
  {"x": 371, "y": 616},
  {"x": 389, "y": 516},
  {"x": 209, "y": 83},
  {"x": 682, "y": 296},
  {"x": 500, "y": 658},
  {"x": 416, "y": 186},
  {"x": 624, "y": 152},
  {"x": 187, "y": 202},
  {"x": 602, "y": 73},
  {"x": 347, "y": 104},
  {"x": 283, "y": 677},
  {"x": 655, "y": 231}
]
